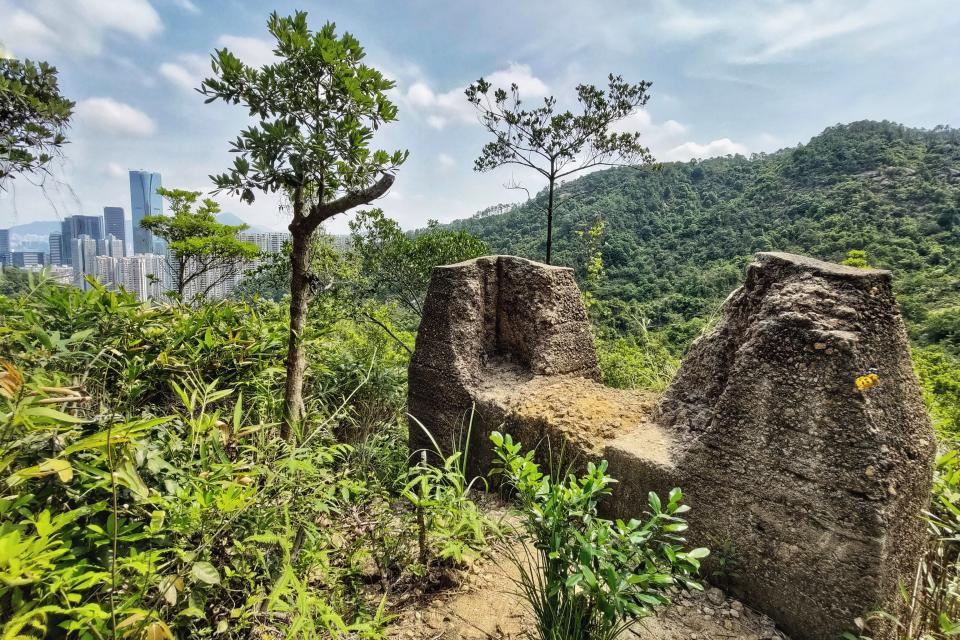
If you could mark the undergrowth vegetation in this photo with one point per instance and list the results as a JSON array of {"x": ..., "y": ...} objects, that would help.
[
  {"x": 148, "y": 496},
  {"x": 586, "y": 577}
]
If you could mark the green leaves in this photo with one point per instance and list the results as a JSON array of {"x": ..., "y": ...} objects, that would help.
[
  {"x": 315, "y": 108},
  {"x": 205, "y": 572},
  {"x": 592, "y": 575},
  {"x": 397, "y": 266},
  {"x": 33, "y": 117},
  {"x": 52, "y": 466}
]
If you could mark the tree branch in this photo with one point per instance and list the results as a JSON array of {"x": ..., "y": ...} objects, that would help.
[{"x": 323, "y": 211}]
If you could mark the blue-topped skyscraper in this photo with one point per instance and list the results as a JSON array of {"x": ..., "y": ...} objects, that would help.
[
  {"x": 144, "y": 201},
  {"x": 114, "y": 225}
]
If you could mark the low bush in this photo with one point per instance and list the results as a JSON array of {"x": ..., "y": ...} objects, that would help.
[{"x": 586, "y": 577}]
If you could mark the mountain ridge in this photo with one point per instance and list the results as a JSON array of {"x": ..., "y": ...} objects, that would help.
[{"x": 678, "y": 235}]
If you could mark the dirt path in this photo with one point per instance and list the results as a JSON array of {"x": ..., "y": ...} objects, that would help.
[{"x": 484, "y": 607}]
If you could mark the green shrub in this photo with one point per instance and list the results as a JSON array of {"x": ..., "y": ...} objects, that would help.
[
  {"x": 148, "y": 495},
  {"x": 589, "y": 578},
  {"x": 627, "y": 364}
]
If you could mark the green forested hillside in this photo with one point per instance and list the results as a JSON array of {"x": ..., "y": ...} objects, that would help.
[{"x": 677, "y": 236}]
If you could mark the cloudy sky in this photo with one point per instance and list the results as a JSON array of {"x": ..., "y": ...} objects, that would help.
[{"x": 739, "y": 76}]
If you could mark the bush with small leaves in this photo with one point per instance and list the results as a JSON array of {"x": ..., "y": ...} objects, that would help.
[{"x": 586, "y": 577}]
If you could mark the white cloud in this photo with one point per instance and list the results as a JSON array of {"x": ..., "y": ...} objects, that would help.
[
  {"x": 114, "y": 170},
  {"x": 657, "y": 136},
  {"x": 445, "y": 161},
  {"x": 668, "y": 141},
  {"x": 187, "y": 72},
  {"x": 255, "y": 52},
  {"x": 26, "y": 34},
  {"x": 436, "y": 122},
  {"x": 41, "y": 27},
  {"x": 441, "y": 108},
  {"x": 714, "y": 148},
  {"x": 746, "y": 32},
  {"x": 187, "y": 6},
  {"x": 420, "y": 95},
  {"x": 528, "y": 84},
  {"x": 108, "y": 116}
]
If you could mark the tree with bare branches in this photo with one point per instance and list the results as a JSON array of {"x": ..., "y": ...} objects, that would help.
[{"x": 559, "y": 144}]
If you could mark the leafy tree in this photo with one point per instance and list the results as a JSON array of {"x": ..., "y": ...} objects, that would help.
[
  {"x": 33, "y": 117},
  {"x": 316, "y": 109},
  {"x": 397, "y": 266},
  {"x": 557, "y": 145},
  {"x": 198, "y": 243},
  {"x": 856, "y": 258}
]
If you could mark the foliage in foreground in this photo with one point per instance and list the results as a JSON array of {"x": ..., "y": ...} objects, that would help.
[
  {"x": 148, "y": 495},
  {"x": 589, "y": 578},
  {"x": 33, "y": 117}
]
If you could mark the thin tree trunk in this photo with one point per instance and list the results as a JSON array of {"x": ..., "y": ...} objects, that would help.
[
  {"x": 293, "y": 407},
  {"x": 550, "y": 221}
]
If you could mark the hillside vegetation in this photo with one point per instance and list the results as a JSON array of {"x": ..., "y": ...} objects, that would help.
[{"x": 677, "y": 236}]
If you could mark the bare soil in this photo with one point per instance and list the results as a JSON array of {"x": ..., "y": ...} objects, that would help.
[{"x": 485, "y": 607}]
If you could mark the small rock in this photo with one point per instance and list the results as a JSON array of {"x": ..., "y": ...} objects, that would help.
[{"x": 715, "y": 596}]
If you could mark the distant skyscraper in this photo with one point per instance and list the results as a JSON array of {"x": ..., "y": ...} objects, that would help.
[
  {"x": 114, "y": 246},
  {"x": 113, "y": 223},
  {"x": 56, "y": 255},
  {"x": 84, "y": 254},
  {"x": 106, "y": 270},
  {"x": 72, "y": 228},
  {"x": 25, "y": 259},
  {"x": 144, "y": 201},
  {"x": 5, "y": 247}
]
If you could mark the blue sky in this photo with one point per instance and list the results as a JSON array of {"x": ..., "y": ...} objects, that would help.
[{"x": 728, "y": 77}]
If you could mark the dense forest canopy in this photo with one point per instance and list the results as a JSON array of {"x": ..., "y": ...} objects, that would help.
[{"x": 678, "y": 235}]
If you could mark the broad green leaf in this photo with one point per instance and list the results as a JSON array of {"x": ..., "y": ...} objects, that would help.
[{"x": 205, "y": 572}]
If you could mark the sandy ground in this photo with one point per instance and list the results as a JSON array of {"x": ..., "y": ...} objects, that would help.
[{"x": 485, "y": 607}]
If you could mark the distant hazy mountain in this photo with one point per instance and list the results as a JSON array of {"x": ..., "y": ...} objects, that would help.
[
  {"x": 233, "y": 219},
  {"x": 39, "y": 228},
  {"x": 46, "y": 227}
]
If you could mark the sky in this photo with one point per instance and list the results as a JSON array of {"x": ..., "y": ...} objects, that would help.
[{"x": 739, "y": 76}]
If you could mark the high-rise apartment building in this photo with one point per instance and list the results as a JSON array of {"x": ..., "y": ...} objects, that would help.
[
  {"x": 56, "y": 253},
  {"x": 72, "y": 228},
  {"x": 83, "y": 258},
  {"x": 144, "y": 201},
  {"x": 25, "y": 259},
  {"x": 110, "y": 246},
  {"x": 114, "y": 224},
  {"x": 5, "y": 247},
  {"x": 106, "y": 269},
  {"x": 145, "y": 275},
  {"x": 267, "y": 242}
]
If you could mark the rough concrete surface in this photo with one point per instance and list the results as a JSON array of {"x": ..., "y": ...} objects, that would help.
[{"x": 814, "y": 486}]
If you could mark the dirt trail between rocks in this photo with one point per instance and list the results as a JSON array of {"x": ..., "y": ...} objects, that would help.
[{"x": 486, "y": 607}]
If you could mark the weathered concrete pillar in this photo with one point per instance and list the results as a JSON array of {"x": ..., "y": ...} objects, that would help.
[
  {"x": 815, "y": 484},
  {"x": 818, "y": 484}
]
